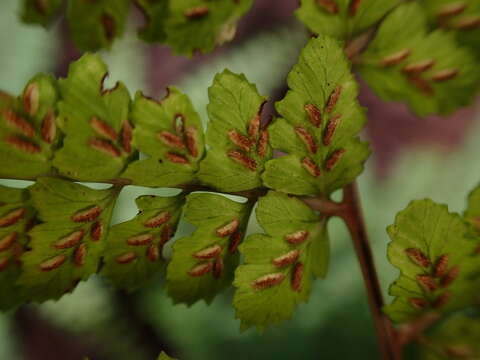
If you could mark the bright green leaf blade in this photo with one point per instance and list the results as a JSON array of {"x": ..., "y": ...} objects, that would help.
[
  {"x": 199, "y": 25},
  {"x": 28, "y": 130},
  {"x": 436, "y": 261},
  {"x": 134, "y": 252},
  {"x": 204, "y": 263},
  {"x": 15, "y": 215},
  {"x": 322, "y": 119},
  {"x": 95, "y": 121},
  {"x": 238, "y": 146},
  {"x": 460, "y": 17},
  {"x": 40, "y": 11},
  {"x": 164, "y": 356},
  {"x": 95, "y": 24},
  {"x": 279, "y": 266},
  {"x": 456, "y": 338},
  {"x": 342, "y": 19},
  {"x": 67, "y": 246},
  {"x": 170, "y": 133},
  {"x": 428, "y": 71},
  {"x": 472, "y": 213}
]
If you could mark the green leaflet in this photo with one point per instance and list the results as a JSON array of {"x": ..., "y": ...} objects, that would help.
[
  {"x": 204, "y": 262},
  {"x": 95, "y": 24},
  {"x": 342, "y": 19},
  {"x": 155, "y": 13},
  {"x": 439, "y": 270},
  {"x": 134, "y": 251},
  {"x": 428, "y": 71},
  {"x": 95, "y": 122},
  {"x": 461, "y": 17},
  {"x": 170, "y": 133},
  {"x": 320, "y": 125},
  {"x": 66, "y": 247},
  {"x": 28, "y": 130},
  {"x": 200, "y": 25},
  {"x": 238, "y": 143},
  {"x": 456, "y": 338},
  {"x": 280, "y": 265},
  {"x": 472, "y": 213},
  {"x": 15, "y": 216},
  {"x": 40, "y": 11},
  {"x": 164, "y": 356}
]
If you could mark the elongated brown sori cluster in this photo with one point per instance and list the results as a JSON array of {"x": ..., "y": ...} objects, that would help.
[
  {"x": 24, "y": 137},
  {"x": 421, "y": 74},
  {"x": 150, "y": 242},
  {"x": 436, "y": 277},
  {"x": 250, "y": 144},
  {"x": 452, "y": 15},
  {"x": 288, "y": 261},
  {"x": 182, "y": 142},
  {"x": 316, "y": 118},
  {"x": 107, "y": 140},
  {"x": 211, "y": 257}
]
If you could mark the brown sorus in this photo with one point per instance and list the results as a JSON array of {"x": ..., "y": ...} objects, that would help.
[
  {"x": 254, "y": 126},
  {"x": 329, "y": 6},
  {"x": 127, "y": 135},
  {"x": 157, "y": 220},
  {"x": 228, "y": 229},
  {"x": 70, "y": 240},
  {"x": 452, "y": 9},
  {"x": 286, "y": 259},
  {"x": 333, "y": 159},
  {"x": 418, "y": 303},
  {"x": 330, "y": 129},
  {"x": 200, "y": 269},
  {"x": 242, "y": 159},
  {"x": 23, "y": 145},
  {"x": 418, "y": 67},
  {"x": 153, "y": 253},
  {"x": 441, "y": 266},
  {"x": 314, "y": 115},
  {"x": 12, "y": 217},
  {"x": 177, "y": 158},
  {"x": 166, "y": 234},
  {"x": 444, "y": 75},
  {"x": 460, "y": 352},
  {"x": 354, "y": 6},
  {"x": 421, "y": 84},
  {"x": 171, "y": 140},
  {"x": 418, "y": 257},
  {"x": 7, "y": 241},
  {"x": 126, "y": 258},
  {"x": 297, "y": 277},
  {"x": 333, "y": 99},
  {"x": 103, "y": 129},
  {"x": 140, "y": 240},
  {"x": 267, "y": 281},
  {"x": 87, "y": 215},
  {"x": 191, "y": 138},
  {"x": 105, "y": 147},
  {"x": 209, "y": 252},
  {"x": 450, "y": 276},
  {"x": 395, "y": 58},
  {"x": 427, "y": 282},
  {"x": 242, "y": 141},
  {"x": 218, "y": 268},
  {"x": 4, "y": 263},
  {"x": 96, "y": 231},
  {"x": 49, "y": 127},
  {"x": 306, "y": 138},
  {"x": 311, "y": 167},
  {"x": 80, "y": 255},
  {"x": 53, "y": 263},
  {"x": 19, "y": 123},
  {"x": 109, "y": 26},
  {"x": 468, "y": 23},
  {"x": 262, "y": 144},
  {"x": 41, "y": 6},
  {"x": 297, "y": 237},
  {"x": 197, "y": 12},
  {"x": 235, "y": 240},
  {"x": 441, "y": 300}
]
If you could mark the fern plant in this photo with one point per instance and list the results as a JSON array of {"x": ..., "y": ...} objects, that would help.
[{"x": 284, "y": 170}]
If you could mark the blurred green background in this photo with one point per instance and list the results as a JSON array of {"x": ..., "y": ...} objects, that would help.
[{"x": 335, "y": 324}]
